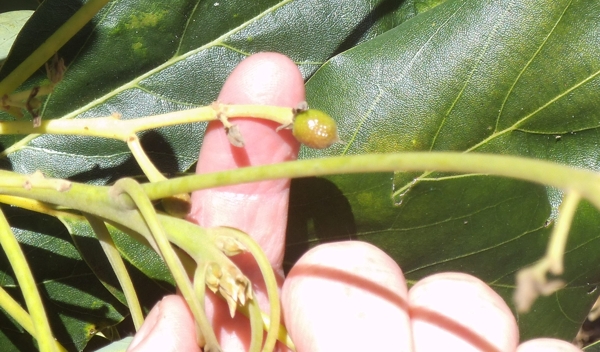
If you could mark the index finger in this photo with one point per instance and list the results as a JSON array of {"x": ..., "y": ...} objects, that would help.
[{"x": 259, "y": 209}]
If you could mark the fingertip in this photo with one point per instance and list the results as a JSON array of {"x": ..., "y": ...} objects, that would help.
[
  {"x": 547, "y": 345},
  {"x": 169, "y": 326},
  {"x": 261, "y": 79},
  {"x": 463, "y": 313},
  {"x": 346, "y": 296},
  {"x": 264, "y": 79}
]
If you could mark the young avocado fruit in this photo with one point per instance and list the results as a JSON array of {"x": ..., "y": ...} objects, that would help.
[{"x": 315, "y": 129}]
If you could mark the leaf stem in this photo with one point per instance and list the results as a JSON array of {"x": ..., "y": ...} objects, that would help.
[
  {"x": 142, "y": 159},
  {"x": 16, "y": 258},
  {"x": 256, "y": 326},
  {"x": 99, "y": 201},
  {"x": 534, "y": 280},
  {"x": 270, "y": 283},
  {"x": 133, "y": 189},
  {"x": 208, "y": 336},
  {"x": 558, "y": 239},
  {"x": 118, "y": 266},
  {"x": 95, "y": 199},
  {"x": 12, "y": 308},
  {"x": 33, "y": 205},
  {"x": 114, "y": 127}
]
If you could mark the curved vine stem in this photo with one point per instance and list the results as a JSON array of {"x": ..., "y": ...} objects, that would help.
[
  {"x": 142, "y": 159},
  {"x": 533, "y": 281},
  {"x": 256, "y": 326},
  {"x": 206, "y": 335},
  {"x": 558, "y": 240},
  {"x": 178, "y": 205},
  {"x": 575, "y": 182},
  {"x": 19, "y": 314},
  {"x": 133, "y": 189}
]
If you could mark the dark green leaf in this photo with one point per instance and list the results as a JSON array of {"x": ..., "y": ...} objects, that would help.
[
  {"x": 77, "y": 304},
  {"x": 143, "y": 57},
  {"x": 516, "y": 78},
  {"x": 147, "y": 270}
]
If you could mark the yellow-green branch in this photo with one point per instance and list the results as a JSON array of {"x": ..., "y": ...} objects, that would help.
[
  {"x": 114, "y": 127},
  {"x": 16, "y": 258},
  {"x": 103, "y": 202},
  {"x": 585, "y": 182},
  {"x": 20, "y": 315}
]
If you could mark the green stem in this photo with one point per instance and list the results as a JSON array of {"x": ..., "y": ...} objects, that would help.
[
  {"x": 100, "y": 201},
  {"x": 208, "y": 334},
  {"x": 142, "y": 159},
  {"x": 558, "y": 239},
  {"x": 12, "y": 308},
  {"x": 534, "y": 280},
  {"x": 15, "y": 311},
  {"x": 114, "y": 128},
  {"x": 256, "y": 326},
  {"x": 133, "y": 189},
  {"x": 16, "y": 99},
  {"x": 51, "y": 46},
  {"x": 17, "y": 261},
  {"x": 118, "y": 266},
  {"x": 586, "y": 182},
  {"x": 33, "y": 205},
  {"x": 282, "y": 335},
  {"x": 95, "y": 199}
]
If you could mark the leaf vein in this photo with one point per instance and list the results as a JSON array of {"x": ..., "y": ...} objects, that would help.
[
  {"x": 362, "y": 121},
  {"x": 185, "y": 28},
  {"x": 479, "y": 61},
  {"x": 526, "y": 66},
  {"x": 482, "y": 250}
]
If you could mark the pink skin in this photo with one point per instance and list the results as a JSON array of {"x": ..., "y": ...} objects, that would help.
[{"x": 346, "y": 296}]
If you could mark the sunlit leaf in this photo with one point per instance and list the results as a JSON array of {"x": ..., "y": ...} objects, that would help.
[
  {"x": 517, "y": 78},
  {"x": 10, "y": 25},
  {"x": 143, "y": 57}
]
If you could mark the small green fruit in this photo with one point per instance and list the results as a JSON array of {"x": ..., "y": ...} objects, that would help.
[{"x": 315, "y": 129}]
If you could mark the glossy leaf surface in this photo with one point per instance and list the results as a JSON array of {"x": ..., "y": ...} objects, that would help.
[
  {"x": 479, "y": 76},
  {"x": 517, "y": 78},
  {"x": 143, "y": 57}
]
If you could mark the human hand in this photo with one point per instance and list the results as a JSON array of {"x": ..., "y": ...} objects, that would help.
[{"x": 342, "y": 296}]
